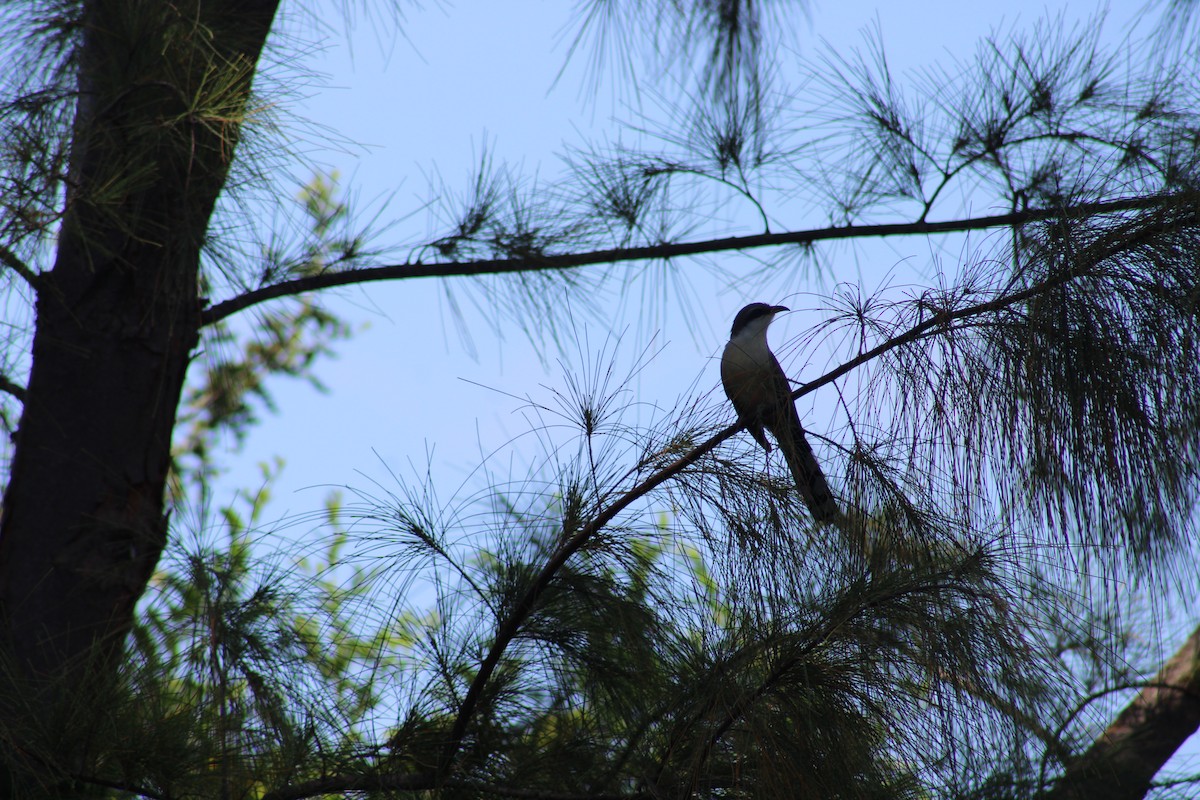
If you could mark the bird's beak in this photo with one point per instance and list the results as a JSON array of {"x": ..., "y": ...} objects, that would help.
[{"x": 777, "y": 309}]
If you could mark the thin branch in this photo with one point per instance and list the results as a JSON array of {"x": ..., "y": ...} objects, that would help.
[
  {"x": 128, "y": 788},
  {"x": 1053, "y": 741},
  {"x": 1193, "y": 779},
  {"x": 540, "y": 794},
  {"x": 354, "y": 783},
  {"x": 1069, "y": 719},
  {"x": 141, "y": 791},
  {"x": 738, "y": 709},
  {"x": 742, "y": 189},
  {"x": 945, "y": 318},
  {"x": 10, "y": 387},
  {"x": 1068, "y": 136},
  {"x": 10, "y": 259},
  {"x": 512, "y": 624},
  {"x": 664, "y": 250},
  {"x": 425, "y": 782}
]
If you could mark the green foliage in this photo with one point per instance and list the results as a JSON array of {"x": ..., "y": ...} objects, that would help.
[
  {"x": 240, "y": 675},
  {"x": 234, "y": 686}
]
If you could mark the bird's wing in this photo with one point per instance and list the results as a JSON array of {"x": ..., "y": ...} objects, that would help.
[
  {"x": 746, "y": 390},
  {"x": 784, "y": 424}
]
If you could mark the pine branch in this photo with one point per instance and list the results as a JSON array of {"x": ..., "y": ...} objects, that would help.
[
  {"x": 666, "y": 250},
  {"x": 1104, "y": 246},
  {"x": 354, "y": 783},
  {"x": 734, "y": 712},
  {"x": 509, "y": 628},
  {"x": 425, "y": 782},
  {"x": 512, "y": 624},
  {"x": 540, "y": 794}
]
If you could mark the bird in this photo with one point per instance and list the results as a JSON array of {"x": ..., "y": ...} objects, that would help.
[{"x": 762, "y": 397}]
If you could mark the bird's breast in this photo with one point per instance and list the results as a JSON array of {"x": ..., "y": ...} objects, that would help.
[{"x": 746, "y": 372}]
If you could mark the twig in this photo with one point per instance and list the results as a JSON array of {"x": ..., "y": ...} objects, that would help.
[
  {"x": 10, "y": 387},
  {"x": 425, "y": 782},
  {"x": 353, "y": 783},
  {"x": 13, "y": 262}
]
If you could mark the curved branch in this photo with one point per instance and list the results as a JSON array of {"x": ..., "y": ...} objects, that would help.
[
  {"x": 352, "y": 783},
  {"x": 9, "y": 386},
  {"x": 541, "y": 794},
  {"x": 512, "y": 624},
  {"x": 425, "y": 782},
  {"x": 1101, "y": 249},
  {"x": 11, "y": 260},
  {"x": 1068, "y": 136},
  {"x": 666, "y": 250},
  {"x": 736, "y": 710}
]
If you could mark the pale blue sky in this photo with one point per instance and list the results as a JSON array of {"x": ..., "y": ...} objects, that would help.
[{"x": 425, "y": 104}]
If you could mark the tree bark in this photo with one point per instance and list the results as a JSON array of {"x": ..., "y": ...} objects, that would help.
[
  {"x": 1123, "y": 761},
  {"x": 163, "y": 88}
]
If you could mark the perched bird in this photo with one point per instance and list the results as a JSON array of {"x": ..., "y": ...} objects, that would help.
[{"x": 762, "y": 397}]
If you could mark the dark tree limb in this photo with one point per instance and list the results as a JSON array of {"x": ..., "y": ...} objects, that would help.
[
  {"x": 666, "y": 250},
  {"x": 424, "y": 782},
  {"x": 1122, "y": 762},
  {"x": 9, "y": 386},
  {"x": 11, "y": 260}
]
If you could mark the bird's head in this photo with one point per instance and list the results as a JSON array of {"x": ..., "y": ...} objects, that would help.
[{"x": 754, "y": 318}]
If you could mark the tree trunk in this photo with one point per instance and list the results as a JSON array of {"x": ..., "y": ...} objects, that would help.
[
  {"x": 1124, "y": 760},
  {"x": 163, "y": 89}
]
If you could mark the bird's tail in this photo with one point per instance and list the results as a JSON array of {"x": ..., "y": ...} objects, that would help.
[{"x": 810, "y": 480}]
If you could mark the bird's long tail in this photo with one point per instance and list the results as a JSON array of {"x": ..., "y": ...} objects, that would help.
[{"x": 810, "y": 480}]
